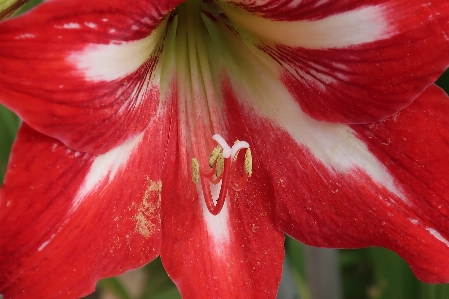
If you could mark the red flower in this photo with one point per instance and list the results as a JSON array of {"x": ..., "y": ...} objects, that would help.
[{"x": 349, "y": 139}]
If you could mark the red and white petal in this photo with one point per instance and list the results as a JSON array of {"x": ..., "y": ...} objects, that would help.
[
  {"x": 381, "y": 184},
  {"x": 236, "y": 254},
  {"x": 348, "y": 61},
  {"x": 9, "y": 7},
  {"x": 83, "y": 72},
  {"x": 68, "y": 219}
]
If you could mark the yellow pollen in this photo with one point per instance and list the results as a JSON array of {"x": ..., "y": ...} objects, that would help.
[
  {"x": 214, "y": 155},
  {"x": 248, "y": 166},
  {"x": 195, "y": 170},
  {"x": 219, "y": 165},
  {"x": 236, "y": 155}
]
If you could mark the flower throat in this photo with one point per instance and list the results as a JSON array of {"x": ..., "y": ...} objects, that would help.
[{"x": 194, "y": 31}]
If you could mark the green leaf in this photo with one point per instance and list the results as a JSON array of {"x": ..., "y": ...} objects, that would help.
[
  {"x": 29, "y": 5},
  {"x": 9, "y": 123}
]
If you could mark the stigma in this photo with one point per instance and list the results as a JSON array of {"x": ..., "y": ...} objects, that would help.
[{"x": 223, "y": 167}]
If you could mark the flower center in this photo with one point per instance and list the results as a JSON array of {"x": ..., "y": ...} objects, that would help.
[
  {"x": 222, "y": 163},
  {"x": 195, "y": 47}
]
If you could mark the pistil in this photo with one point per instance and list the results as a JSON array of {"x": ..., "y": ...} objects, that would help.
[{"x": 223, "y": 166}]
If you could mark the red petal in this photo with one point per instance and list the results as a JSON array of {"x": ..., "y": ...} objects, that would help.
[
  {"x": 350, "y": 61},
  {"x": 68, "y": 219},
  {"x": 67, "y": 73},
  {"x": 337, "y": 187},
  {"x": 401, "y": 205},
  {"x": 236, "y": 254},
  {"x": 381, "y": 184}
]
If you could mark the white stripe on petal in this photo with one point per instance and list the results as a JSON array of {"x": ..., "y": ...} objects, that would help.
[
  {"x": 217, "y": 225},
  {"x": 438, "y": 236},
  {"x": 117, "y": 59},
  {"x": 335, "y": 145},
  {"x": 71, "y": 25},
  {"x": 44, "y": 244},
  {"x": 359, "y": 26},
  {"x": 105, "y": 167}
]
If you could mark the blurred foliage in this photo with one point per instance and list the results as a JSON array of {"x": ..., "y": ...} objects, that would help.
[
  {"x": 443, "y": 82},
  {"x": 357, "y": 273},
  {"x": 9, "y": 124},
  {"x": 370, "y": 273},
  {"x": 29, "y": 5},
  {"x": 294, "y": 254}
]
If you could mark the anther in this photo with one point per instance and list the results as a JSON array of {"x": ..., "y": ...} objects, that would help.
[
  {"x": 195, "y": 170},
  {"x": 214, "y": 155},
  {"x": 219, "y": 166},
  {"x": 248, "y": 166}
]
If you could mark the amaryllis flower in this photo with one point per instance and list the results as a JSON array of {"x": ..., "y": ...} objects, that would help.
[{"x": 202, "y": 131}]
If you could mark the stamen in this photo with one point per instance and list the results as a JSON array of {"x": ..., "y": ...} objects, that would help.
[
  {"x": 248, "y": 166},
  {"x": 220, "y": 140},
  {"x": 195, "y": 170},
  {"x": 214, "y": 156},
  {"x": 240, "y": 183},
  {"x": 238, "y": 146},
  {"x": 219, "y": 166},
  {"x": 222, "y": 161}
]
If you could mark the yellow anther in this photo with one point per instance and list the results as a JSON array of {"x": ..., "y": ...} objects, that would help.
[
  {"x": 219, "y": 166},
  {"x": 195, "y": 170},
  {"x": 214, "y": 155},
  {"x": 248, "y": 166},
  {"x": 237, "y": 153}
]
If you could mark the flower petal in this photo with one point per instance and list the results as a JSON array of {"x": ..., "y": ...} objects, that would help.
[
  {"x": 381, "y": 184},
  {"x": 68, "y": 219},
  {"x": 236, "y": 254},
  {"x": 91, "y": 79},
  {"x": 348, "y": 61}
]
